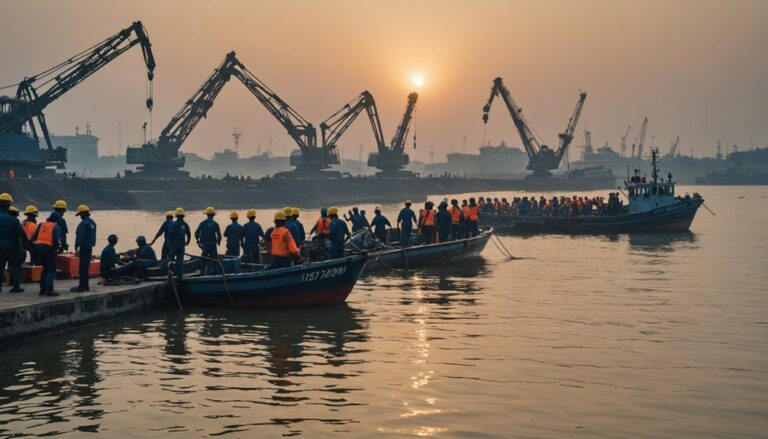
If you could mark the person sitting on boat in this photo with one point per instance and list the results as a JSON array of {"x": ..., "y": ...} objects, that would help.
[
  {"x": 145, "y": 256},
  {"x": 252, "y": 232},
  {"x": 443, "y": 219},
  {"x": 427, "y": 223},
  {"x": 283, "y": 248},
  {"x": 338, "y": 233},
  {"x": 405, "y": 221},
  {"x": 379, "y": 224},
  {"x": 473, "y": 217},
  {"x": 234, "y": 235}
]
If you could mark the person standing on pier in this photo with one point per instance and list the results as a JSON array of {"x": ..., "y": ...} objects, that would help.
[
  {"x": 47, "y": 240},
  {"x": 30, "y": 227},
  {"x": 163, "y": 231},
  {"x": 11, "y": 237},
  {"x": 60, "y": 206},
  {"x": 405, "y": 221},
  {"x": 252, "y": 232},
  {"x": 179, "y": 236},
  {"x": 234, "y": 235},
  {"x": 85, "y": 240},
  {"x": 208, "y": 237}
]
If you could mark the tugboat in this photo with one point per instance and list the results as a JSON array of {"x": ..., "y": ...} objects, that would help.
[{"x": 652, "y": 207}]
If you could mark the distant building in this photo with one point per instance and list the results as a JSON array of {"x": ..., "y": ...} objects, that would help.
[{"x": 80, "y": 147}]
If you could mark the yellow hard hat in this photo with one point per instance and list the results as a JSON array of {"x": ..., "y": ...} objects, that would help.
[
  {"x": 295, "y": 211},
  {"x": 81, "y": 209},
  {"x": 5, "y": 196},
  {"x": 179, "y": 212},
  {"x": 333, "y": 211},
  {"x": 209, "y": 211},
  {"x": 408, "y": 202},
  {"x": 13, "y": 209},
  {"x": 251, "y": 213},
  {"x": 233, "y": 215},
  {"x": 60, "y": 204},
  {"x": 287, "y": 211},
  {"x": 169, "y": 214},
  {"x": 280, "y": 215},
  {"x": 30, "y": 210}
]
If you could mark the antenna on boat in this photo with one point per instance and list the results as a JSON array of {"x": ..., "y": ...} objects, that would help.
[{"x": 654, "y": 153}]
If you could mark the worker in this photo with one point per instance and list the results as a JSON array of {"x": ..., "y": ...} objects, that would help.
[
  {"x": 443, "y": 221},
  {"x": 85, "y": 240},
  {"x": 290, "y": 225},
  {"x": 179, "y": 236},
  {"x": 12, "y": 237},
  {"x": 208, "y": 237},
  {"x": 298, "y": 226},
  {"x": 354, "y": 218},
  {"x": 338, "y": 233},
  {"x": 405, "y": 220},
  {"x": 473, "y": 217},
  {"x": 47, "y": 239},
  {"x": 284, "y": 248},
  {"x": 427, "y": 223},
  {"x": 456, "y": 220},
  {"x": 60, "y": 207},
  {"x": 15, "y": 263},
  {"x": 320, "y": 229},
  {"x": 252, "y": 232},
  {"x": 30, "y": 226},
  {"x": 363, "y": 221},
  {"x": 234, "y": 235},
  {"x": 111, "y": 267},
  {"x": 163, "y": 231},
  {"x": 379, "y": 224},
  {"x": 146, "y": 257}
]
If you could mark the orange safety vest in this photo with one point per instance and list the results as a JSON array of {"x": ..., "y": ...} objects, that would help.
[
  {"x": 427, "y": 218},
  {"x": 45, "y": 233},
  {"x": 282, "y": 242},
  {"x": 29, "y": 228},
  {"x": 473, "y": 213},
  {"x": 322, "y": 226},
  {"x": 455, "y": 215},
  {"x": 465, "y": 212}
]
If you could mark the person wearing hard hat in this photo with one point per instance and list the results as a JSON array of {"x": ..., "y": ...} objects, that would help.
[
  {"x": 179, "y": 236},
  {"x": 60, "y": 206},
  {"x": 85, "y": 240},
  {"x": 163, "y": 231},
  {"x": 252, "y": 232},
  {"x": 283, "y": 246},
  {"x": 30, "y": 227},
  {"x": 338, "y": 233},
  {"x": 47, "y": 241},
  {"x": 11, "y": 237},
  {"x": 405, "y": 221},
  {"x": 296, "y": 228},
  {"x": 208, "y": 237},
  {"x": 234, "y": 235},
  {"x": 320, "y": 229}
]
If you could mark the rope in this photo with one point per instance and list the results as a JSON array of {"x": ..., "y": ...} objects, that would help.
[
  {"x": 376, "y": 257},
  {"x": 708, "y": 209},
  {"x": 500, "y": 246},
  {"x": 172, "y": 281},
  {"x": 223, "y": 276}
]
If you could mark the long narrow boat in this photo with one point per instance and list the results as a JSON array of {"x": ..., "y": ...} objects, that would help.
[
  {"x": 309, "y": 284},
  {"x": 420, "y": 256}
]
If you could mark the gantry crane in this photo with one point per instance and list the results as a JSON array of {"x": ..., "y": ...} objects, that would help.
[
  {"x": 162, "y": 159},
  {"x": 541, "y": 158},
  {"x": 22, "y": 118}
]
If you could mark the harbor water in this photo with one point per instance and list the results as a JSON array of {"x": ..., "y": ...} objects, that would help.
[{"x": 642, "y": 336}]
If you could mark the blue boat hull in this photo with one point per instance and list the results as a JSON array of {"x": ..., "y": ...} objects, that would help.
[
  {"x": 310, "y": 284},
  {"x": 674, "y": 218}
]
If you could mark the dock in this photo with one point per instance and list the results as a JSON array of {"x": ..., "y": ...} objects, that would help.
[{"x": 28, "y": 314}]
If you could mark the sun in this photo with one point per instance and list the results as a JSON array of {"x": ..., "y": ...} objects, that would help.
[{"x": 418, "y": 80}]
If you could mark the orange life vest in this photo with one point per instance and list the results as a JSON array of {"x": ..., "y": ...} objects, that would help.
[
  {"x": 455, "y": 215},
  {"x": 465, "y": 211},
  {"x": 282, "y": 242},
  {"x": 473, "y": 213},
  {"x": 427, "y": 218},
  {"x": 29, "y": 228},
  {"x": 323, "y": 226},
  {"x": 45, "y": 233}
]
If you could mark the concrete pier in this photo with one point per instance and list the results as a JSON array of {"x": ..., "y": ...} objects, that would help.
[{"x": 27, "y": 314}]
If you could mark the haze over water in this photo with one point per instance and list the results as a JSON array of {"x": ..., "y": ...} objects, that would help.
[{"x": 642, "y": 336}]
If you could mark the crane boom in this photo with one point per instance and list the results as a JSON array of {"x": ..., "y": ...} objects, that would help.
[
  {"x": 673, "y": 147},
  {"x": 624, "y": 141},
  {"x": 337, "y": 124},
  {"x": 566, "y": 137},
  {"x": 641, "y": 142},
  {"x": 34, "y": 97},
  {"x": 401, "y": 134},
  {"x": 531, "y": 143}
]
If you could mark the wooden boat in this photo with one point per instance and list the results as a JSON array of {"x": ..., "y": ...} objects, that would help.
[
  {"x": 309, "y": 284},
  {"x": 419, "y": 256},
  {"x": 653, "y": 207}
]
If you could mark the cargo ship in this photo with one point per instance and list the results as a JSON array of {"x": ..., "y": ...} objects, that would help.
[{"x": 743, "y": 168}]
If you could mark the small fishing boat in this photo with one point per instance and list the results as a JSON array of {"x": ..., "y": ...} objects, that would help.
[
  {"x": 309, "y": 284},
  {"x": 652, "y": 207},
  {"x": 419, "y": 256}
]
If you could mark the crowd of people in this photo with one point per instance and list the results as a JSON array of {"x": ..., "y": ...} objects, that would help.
[{"x": 556, "y": 206}]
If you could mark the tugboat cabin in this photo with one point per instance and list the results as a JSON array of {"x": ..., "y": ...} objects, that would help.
[{"x": 645, "y": 196}]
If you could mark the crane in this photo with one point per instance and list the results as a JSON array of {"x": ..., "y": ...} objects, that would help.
[
  {"x": 640, "y": 139},
  {"x": 673, "y": 147},
  {"x": 624, "y": 141},
  {"x": 391, "y": 159},
  {"x": 541, "y": 158},
  {"x": 337, "y": 124},
  {"x": 162, "y": 158},
  {"x": 19, "y": 140}
]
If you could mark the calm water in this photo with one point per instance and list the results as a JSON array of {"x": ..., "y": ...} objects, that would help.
[{"x": 616, "y": 336}]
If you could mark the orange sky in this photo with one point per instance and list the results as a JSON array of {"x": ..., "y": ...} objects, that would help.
[{"x": 696, "y": 68}]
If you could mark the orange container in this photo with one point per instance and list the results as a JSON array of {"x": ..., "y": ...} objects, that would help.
[
  {"x": 31, "y": 273},
  {"x": 69, "y": 264}
]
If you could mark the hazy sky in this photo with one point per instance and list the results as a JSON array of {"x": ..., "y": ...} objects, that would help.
[{"x": 697, "y": 68}]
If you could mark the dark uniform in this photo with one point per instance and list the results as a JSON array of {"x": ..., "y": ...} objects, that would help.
[
  {"x": 11, "y": 237},
  {"x": 251, "y": 233},
  {"x": 234, "y": 235},
  {"x": 208, "y": 236},
  {"x": 338, "y": 233},
  {"x": 164, "y": 232},
  {"x": 405, "y": 221},
  {"x": 85, "y": 240},
  {"x": 179, "y": 236},
  {"x": 379, "y": 224}
]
